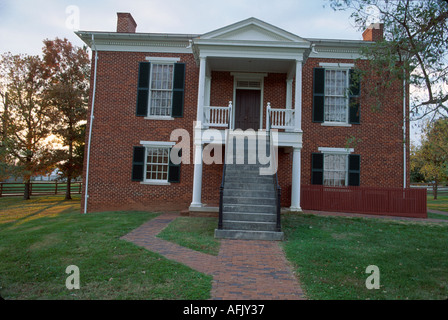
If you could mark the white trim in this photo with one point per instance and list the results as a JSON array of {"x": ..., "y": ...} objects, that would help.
[
  {"x": 337, "y": 65},
  {"x": 165, "y": 60},
  {"x": 336, "y": 124},
  {"x": 159, "y": 118},
  {"x": 156, "y": 182},
  {"x": 336, "y": 150},
  {"x": 157, "y": 143}
]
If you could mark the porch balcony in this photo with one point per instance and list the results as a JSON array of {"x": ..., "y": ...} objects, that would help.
[{"x": 282, "y": 120}]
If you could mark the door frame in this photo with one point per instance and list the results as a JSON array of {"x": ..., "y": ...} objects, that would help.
[{"x": 238, "y": 76}]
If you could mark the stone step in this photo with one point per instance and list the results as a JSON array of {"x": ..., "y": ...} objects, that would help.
[
  {"x": 255, "y": 217},
  {"x": 248, "y": 208},
  {"x": 248, "y": 186},
  {"x": 248, "y": 225},
  {"x": 250, "y": 179},
  {"x": 248, "y": 200},
  {"x": 249, "y": 193},
  {"x": 244, "y": 167},
  {"x": 248, "y": 235}
]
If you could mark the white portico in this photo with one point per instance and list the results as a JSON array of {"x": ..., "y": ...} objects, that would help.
[{"x": 250, "y": 50}]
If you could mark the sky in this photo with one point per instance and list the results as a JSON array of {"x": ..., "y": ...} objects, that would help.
[{"x": 24, "y": 24}]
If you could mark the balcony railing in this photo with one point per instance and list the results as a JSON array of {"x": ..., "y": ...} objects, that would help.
[
  {"x": 220, "y": 117},
  {"x": 279, "y": 118}
]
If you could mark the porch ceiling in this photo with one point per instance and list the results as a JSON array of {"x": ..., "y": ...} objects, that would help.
[{"x": 250, "y": 65}]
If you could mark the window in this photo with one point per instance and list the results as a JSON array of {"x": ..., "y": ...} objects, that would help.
[
  {"x": 157, "y": 164},
  {"x": 335, "y": 169},
  {"x": 336, "y": 99},
  {"x": 161, "y": 88},
  {"x": 151, "y": 163},
  {"x": 336, "y": 95}
]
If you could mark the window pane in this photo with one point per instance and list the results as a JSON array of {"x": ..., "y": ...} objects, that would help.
[
  {"x": 335, "y": 169},
  {"x": 161, "y": 89},
  {"x": 336, "y": 101},
  {"x": 157, "y": 163}
]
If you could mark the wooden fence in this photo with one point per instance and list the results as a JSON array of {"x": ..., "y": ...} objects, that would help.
[
  {"x": 364, "y": 200},
  {"x": 38, "y": 188}
]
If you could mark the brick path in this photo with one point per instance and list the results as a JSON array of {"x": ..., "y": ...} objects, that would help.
[{"x": 243, "y": 269}]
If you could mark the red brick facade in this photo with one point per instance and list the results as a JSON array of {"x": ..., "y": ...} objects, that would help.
[{"x": 116, "y": 130}]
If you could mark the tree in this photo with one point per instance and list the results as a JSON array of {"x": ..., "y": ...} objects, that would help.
[
  {"x": 67, "y": 93},
  {"x": 432, "y": 156},
  {"x": 24, "y": 138},
  {"x": 415, "y": 47}
]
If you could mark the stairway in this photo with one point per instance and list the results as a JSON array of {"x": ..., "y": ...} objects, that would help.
[{"x": 249, "y": 200}]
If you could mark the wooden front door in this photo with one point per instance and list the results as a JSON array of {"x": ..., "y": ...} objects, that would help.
[{"x": 247, "y": 109}]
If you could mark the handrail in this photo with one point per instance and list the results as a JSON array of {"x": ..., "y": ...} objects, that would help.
[
  {"x": 221, "y": 188},
  {"x": 217, "y": 116},
  {"x": 277, "y": 188},
  {"x": 279, "y": 118}
]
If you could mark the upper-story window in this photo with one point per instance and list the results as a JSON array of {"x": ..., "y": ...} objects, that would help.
[
  {"x": 336, "y": 95},
  {"x": 336, "y": 91},
  {"x": 161, "y": 86}
]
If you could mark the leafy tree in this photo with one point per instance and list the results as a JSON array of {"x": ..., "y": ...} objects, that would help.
[
  {"x": 432, "y": 157},
  {"x": 415, "y": 47},
  {"x": 68, "y": 68},
  {"x": 29, "y": 122}
]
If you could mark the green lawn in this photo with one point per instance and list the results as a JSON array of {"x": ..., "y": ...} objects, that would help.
[
  {"x": 441, "y": 204},
  {"x": 194, "y": 233},
  {"x": 40, "y": 238},
  {"x": 331, "y": 255}
]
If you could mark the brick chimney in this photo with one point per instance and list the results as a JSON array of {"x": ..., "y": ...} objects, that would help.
[
  {"x": 374, "y": 32},
  {"x": 126, "y": 23}
]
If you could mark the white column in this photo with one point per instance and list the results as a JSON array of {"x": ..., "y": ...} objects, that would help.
[
  {"x": 298, "y": 97},
  {"x": 197, "y": 179},
  {"x": 295, "y": 190},
  {"x": 289, "y": 94},
  {"x": 201, "y": 90}
]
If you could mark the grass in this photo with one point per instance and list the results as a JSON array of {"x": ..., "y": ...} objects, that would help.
[
  {"x": 193, "y": 233},
  {"x": 441, "y": 204},
  {"x": 40, "y": 238},
  {"x": 331, "y": 255}
]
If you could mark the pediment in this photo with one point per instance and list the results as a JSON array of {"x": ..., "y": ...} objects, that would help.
[{"x": 252, "y": 29}]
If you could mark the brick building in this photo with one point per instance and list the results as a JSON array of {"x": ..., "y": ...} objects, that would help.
[{"x": 248, "y": 75}]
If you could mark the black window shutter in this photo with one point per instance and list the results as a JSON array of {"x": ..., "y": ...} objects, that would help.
[
  {"x": 317, "y": 168},
  {"x": 138, "y": 164},
  {"x": 143, "y": 89},
  {"x": 177, "y": 110},
  {"x": 354, "y": 169},
  {"x": 318, "y": 94},
  {"x": 174, "y": 169},
  {"x": 354, "y": 92}
]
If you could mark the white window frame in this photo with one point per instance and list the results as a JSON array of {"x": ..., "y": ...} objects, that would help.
[
  {"x": 159, "y": 61},
  {"x": 336, "y": 151},
  {"x": 339, "y": 67},
  {"x": 155, "y": 144}
]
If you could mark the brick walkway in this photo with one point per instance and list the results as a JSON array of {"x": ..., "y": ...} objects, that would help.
[{"x": 243, "y": 269}]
